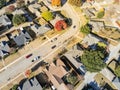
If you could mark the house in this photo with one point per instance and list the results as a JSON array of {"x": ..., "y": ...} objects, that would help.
[
  {"x": 112, "y": 65},
  {"x": 4, "y": 48},
  {"x": 91, "y": 39},
  {"x": 23, "y": 38},
  {"x": 55, "y": 71},
  {"x": 90, "y": 12},
  {"x": 5, "y": 21},
  {"x": 56, "y": 19},
  {"x": 108, "y": 74},
  {"x": 38, "y": 8},
  {"x": 19, "y": 11},
  {"x": 97, "y": 25},
  {"x": 40, "y": 30},
  {"x": 116, "y": 82},
  {"x": 30, "y": 84},
  {"x": 73, "y": 56},
  {"x": 34, "y": 8}
]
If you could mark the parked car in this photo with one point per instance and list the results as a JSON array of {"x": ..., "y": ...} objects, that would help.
[
  {"x": 36, "y": 58},
  {"x": 29, "y": 55},
  {"x": 74, "y": 26},
  {"x": 53, "y": 46}
]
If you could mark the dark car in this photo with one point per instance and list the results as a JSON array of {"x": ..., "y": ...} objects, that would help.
[
  {"x": 53, "y": 46},
  {"x": 74, "y": 26},
  {"x": 29, "y": 55}
]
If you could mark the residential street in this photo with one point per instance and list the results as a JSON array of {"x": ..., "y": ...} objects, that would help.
[{"x": 22, "y": 64}]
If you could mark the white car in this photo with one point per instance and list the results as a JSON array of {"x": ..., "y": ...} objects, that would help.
[{"x": 36, "y": 58}]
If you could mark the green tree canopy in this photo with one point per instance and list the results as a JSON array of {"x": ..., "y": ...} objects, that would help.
[
  {"x": 93, "y": 60},
  {"x": 18, "y": 19},
  {"x": 100, "y": 14},
  {"x": 2, "y": 3},
  {"x": 117, "y": 71},
  {"x": 47, "y": 15},
  {"x": 71, "y": 79},
  {"x": 85, "y": 29},
  {"x": 15, "y": 87}
]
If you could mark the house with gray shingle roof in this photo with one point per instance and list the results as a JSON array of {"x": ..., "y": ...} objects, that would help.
[
  {"x": 30, "y": 84},
  {"x": 40, "y": 30},
  {"x": 73, "y": 56},
  {"x": 4, "y": 49},
  {"x": 4, "y": 20},
  {"x": 116, "y": 82},
  {"x": 23, "y": 38},
  {"x": 92, "y": 39},
  {"x": 97, "y": 25}
]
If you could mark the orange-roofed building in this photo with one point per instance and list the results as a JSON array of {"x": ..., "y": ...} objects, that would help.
[{"x": 56, "y": 2}]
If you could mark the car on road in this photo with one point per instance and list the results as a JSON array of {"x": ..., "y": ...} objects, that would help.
[
  {"x": 74, "y": 26},
  {"x": 53, "y": 46},
  {"x": 29, "y": 55},
  {"x": 36, "y": 58}
]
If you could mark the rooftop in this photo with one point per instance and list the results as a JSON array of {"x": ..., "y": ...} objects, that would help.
[
  {"x": 73, "y": 54},
  {"x": 31, "y": 84}
]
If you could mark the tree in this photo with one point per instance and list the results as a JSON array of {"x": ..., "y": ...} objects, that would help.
[
  {"x": 117, "y": 71},
  {"x": 60, "y": 25},
  {"x": 47, "y": 15},
  {"x": 15, "y": 87},
  {"x": 18, "y": 19},
  {"x": 56, "y": 2},
  {"x": 2, "y": 3},
  {"x": 72, "y": 78},
  {"x": 85, "y": 29},
  {"x": 76, "y": 2},
  {"x": 93, "y": 60},
  {"x": 100, "y": 14},
  {"x": 20, "y": 3}
]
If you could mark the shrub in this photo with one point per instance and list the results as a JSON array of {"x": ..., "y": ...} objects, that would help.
[{"x": 18, "y": 19}]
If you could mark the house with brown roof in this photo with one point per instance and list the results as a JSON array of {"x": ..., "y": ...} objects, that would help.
[{"x": 55, "y": 72}]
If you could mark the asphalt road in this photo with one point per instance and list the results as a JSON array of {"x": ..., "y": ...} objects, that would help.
[{"x": 23, "y": 64}]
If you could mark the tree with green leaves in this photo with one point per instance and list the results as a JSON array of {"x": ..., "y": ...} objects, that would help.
[
  {"x": 2, "y": 3},
  {"x": 18, "y": 19},
  {"x": 15, "y": 87},
  {"x": 85, "y": 29},
  {"x": 93, "y": 60},
  {"x": 117, "y": 71},
  {"x": 100, "y": 14},
  {"x": 47, "y": 15},
  {"x": 72, "y": 78}
]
